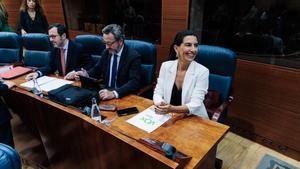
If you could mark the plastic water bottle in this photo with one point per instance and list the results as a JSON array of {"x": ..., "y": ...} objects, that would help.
[
  {"x": 36, "y": 88},
  {"x": 95, "y": 111}
]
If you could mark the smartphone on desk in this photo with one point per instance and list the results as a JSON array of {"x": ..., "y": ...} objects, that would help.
[{"x": 127, "y": 111}]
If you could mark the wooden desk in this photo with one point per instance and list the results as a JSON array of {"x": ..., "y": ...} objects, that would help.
[{"x": 73, "y": 140}]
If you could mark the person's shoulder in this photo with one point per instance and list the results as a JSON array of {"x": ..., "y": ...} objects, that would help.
[
  {"x": 23, "y": 13},
  {"x": 75, "y": 44},
  {"x": 131, "y": 52},
  {"x": 199, "y": 67},
  {"x": 169, "y": 63}
]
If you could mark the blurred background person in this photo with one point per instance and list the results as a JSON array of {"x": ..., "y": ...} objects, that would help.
[
  {"x": 32, "y": 18},
  {"x": 4, "y": 26},
  {"x": 182, "y": 83}
]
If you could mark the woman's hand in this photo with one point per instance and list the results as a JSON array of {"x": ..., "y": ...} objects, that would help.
[{"x": 163, "y": 108}]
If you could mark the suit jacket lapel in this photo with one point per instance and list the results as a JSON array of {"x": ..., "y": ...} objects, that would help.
[
  {"x": 171, "y": 73},
  {"x": 188, "y": 81},
  {"x": 122, "y": 61}
]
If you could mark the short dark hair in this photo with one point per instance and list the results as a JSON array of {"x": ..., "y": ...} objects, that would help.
[
  {"x": 61, "y": 29},
  {"x": 178, "y": 40},
  {"x": 114, "y": 29}
]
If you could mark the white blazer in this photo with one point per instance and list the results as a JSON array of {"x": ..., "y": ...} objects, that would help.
[{"x": 194, "y": 86}]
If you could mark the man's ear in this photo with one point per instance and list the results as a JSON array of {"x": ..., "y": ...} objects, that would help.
[{"x": 64, "y": 36}]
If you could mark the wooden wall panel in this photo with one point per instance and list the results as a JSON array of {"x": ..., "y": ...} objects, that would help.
[
  {"x": 174, "y": 18},
  {"x": 13, "y": 8},
  {"x": 54, "y": 11},
  {"x": 175, "y": 9},
  {"x": 267, "y": 104}
]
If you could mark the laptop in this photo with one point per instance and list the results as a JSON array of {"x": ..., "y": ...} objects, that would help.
[{"x": 91, "y": 83}]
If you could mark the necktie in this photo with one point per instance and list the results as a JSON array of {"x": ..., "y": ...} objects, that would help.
[
  {"x": 62, "y": 61},
  {"x": 114, "y": 72}
]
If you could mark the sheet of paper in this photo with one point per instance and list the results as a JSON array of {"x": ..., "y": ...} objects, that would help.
[
  {"x": 42, "y": 80},
  {"x": 148, "y": 120},
  {"x": 47, "y": 83},
  {"x": 54, "y": 84}
]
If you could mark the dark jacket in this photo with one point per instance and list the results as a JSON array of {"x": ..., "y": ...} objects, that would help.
[
  {"x": 38, "y": 25},
  {"x": 75, "y": 60},
  {"x": 4, "y": 113},
  {"x": 129, "y": 71}
]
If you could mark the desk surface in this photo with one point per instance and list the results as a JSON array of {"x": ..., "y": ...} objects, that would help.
[{"x": 193, "y": 136}]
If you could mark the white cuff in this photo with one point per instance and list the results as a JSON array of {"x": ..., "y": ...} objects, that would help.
[
  {"x": 39, "y": 73},
  {"x": 116, "y": 94}
]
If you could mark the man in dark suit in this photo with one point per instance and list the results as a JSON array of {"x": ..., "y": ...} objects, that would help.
[
  {"x": 5, "y": 127},
  {"x": 119, "y": 66},
  {"x": 66, "y": 55}
]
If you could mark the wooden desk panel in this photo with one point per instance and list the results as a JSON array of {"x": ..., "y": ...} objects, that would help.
[{"x": 73, "y": 140}]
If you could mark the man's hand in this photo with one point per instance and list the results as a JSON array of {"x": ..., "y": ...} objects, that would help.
[
  {"x": 106, "y": 94},
  {"x": 31, "y": 76},
  {"x": 9, "y": 84},
  {"x": 82, "y": 72},
  {"x": 70, "y": 75}
]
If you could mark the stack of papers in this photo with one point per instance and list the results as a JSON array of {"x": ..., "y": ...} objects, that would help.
[
  {"x": 46, "y": 83},
  {"x": 148, "y": 120}
]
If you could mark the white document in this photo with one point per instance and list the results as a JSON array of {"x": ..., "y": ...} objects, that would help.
[
  {"x": 47, "y": 83},
  {"x": 42, "y": 80},
  {"x": 148, "y": 120},
  {"x": 54, "y": 84}
]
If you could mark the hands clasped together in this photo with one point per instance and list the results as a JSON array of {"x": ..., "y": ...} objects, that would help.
[{"x": 163, "y": 108}]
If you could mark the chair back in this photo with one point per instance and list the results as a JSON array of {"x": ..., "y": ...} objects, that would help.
[
  {"x": 37, "y": 50},
  {"x": 148, "y": 56},
  {"x": 92, "y": 45},
  {"x": 10, "y": 44},
  {"x": 9, "y": 158},
  {"x": 221, "y": 63}
]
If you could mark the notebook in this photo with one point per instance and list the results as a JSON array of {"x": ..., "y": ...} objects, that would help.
[{"x": 15, "y": 72}]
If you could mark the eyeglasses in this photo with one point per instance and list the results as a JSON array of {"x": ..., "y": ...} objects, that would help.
[{"x": 109, "y": 43}]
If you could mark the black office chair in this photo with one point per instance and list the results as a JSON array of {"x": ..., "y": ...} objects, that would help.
[
  {"x": 9, "y": 158},
  {"x": 148, "y": 65},
  {"x": 37, "y": 50},
  {"x": 92, "y": 45},
  {"x": 221, "y": 63},
  {"x": 10, "y": 45}
]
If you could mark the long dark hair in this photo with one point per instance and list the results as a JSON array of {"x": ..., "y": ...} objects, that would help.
[
  {"x": 178, "y": 40},
  {"x": 38, "y": 6}
]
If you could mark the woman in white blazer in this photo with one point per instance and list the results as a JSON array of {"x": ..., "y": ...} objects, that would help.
[{"x": 182, "y": 83}]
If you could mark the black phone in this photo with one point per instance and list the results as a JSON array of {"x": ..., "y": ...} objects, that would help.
[{"x": 127, "y": 111}]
